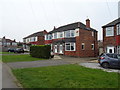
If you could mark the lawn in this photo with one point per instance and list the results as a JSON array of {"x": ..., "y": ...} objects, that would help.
[
  {"x": 65, "y": 76},
  {"x": 18, "y": 58}
]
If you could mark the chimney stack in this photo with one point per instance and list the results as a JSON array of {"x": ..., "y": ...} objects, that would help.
[{"x": 87, "y": 23}]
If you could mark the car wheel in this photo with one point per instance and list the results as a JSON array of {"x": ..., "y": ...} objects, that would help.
[{"x": 105, "y": 65}]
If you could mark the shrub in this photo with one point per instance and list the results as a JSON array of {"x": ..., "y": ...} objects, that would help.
[{"x": 40, "y": 51}]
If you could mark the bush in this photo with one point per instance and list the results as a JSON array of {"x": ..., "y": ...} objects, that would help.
[{"x": 40, "y": 51}]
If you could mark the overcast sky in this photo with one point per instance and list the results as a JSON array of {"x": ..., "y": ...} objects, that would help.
[{"x": 19, "y": 18}]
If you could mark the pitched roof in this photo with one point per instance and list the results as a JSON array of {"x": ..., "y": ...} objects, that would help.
[
  {"x": 112, "y": 23},
  {"x": 71, "y": 27},
  {"x": 41, "y": 33}
]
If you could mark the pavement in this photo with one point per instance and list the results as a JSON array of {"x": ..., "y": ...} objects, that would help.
[{"x": 8, "y": 79}]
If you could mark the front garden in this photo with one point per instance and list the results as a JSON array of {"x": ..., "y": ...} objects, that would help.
[{"x": 65, "y": 76}]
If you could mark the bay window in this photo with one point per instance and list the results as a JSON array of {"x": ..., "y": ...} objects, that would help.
[{"x": 70, "y": 47}]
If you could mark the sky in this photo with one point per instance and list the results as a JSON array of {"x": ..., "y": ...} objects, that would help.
[{"x": 20, "y": 18}]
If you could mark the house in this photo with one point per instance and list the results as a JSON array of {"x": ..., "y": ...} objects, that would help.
[
  {"x": 111, "y": 37},
  {"x": 7, "y": 43},
  {"x": 100, "y": 46},
  {"x": 75, "y": 39},
  {"x": 34, "y": 39}
]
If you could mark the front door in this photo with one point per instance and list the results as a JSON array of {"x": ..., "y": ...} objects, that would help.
[
  {"x": 55, "y": 48},
  {"x": 61, "y": 49},
  {"x": 110, "y": 49}
]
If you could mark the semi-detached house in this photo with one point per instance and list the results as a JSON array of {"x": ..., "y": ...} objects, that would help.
[
  {"x": 75, "y": 39},
  {"x": 111, "y": 37}
]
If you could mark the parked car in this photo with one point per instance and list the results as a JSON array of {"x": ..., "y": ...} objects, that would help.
[
  {"x": 16, "y": 50},
  {"x": 19, "y": 50},
  {"x": 109, "y": 60},
  {"x": 11, "y": 50}
]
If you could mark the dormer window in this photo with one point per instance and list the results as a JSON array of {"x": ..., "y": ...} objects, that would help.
[{"x": 110, "y": 31}]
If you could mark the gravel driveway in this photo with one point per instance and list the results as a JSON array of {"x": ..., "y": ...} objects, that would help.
[{"x": 97, "y": 66}]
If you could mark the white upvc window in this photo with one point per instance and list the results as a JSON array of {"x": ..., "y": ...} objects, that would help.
[
  {"x": 55, "y": 35},
  {"x": 118, "y": 29},
  {"x": 92, "y": 33},
  {"x": 110, "y": 31},
  {"x": 70, "y": 47},
  {"x": 83, "y": 46},
  {"x": 92, "y": 46},
  {"x": 60, "y": 34},
  {"x": 8, "y": 43},
  {"x": 14, "y": 43},
  {"x": 48, "y": 37},
  {"x": 70, "y": 33},
  {"x": 118, "y": 49}
]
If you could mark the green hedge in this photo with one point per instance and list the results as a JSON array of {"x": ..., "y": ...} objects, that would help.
[{"x": 40, "y": 51}]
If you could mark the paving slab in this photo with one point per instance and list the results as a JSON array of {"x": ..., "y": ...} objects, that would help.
[{"x": 8, "y": 79}]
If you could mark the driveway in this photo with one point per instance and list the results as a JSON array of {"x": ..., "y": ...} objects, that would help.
[
  {"x": 40, "y": 63},
  {"x": 97, "y": 66}
]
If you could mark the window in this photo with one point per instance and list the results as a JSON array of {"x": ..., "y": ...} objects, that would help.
[
  {"x": 92, "y": 33},
  {"x": 109, "y": 31},
  {"x": 118, "y": 29},
  {"x": 83, "y": 46},
  {"x": 92, "y": 46},
  {"x": 67, "y": 33},
  {"x": 70, "y": 47},
  {"x": 60, "y": 34},
  {"x": 70, "y": 33},
  {"x": 55, "y": 35},
  {"x": 48, "y": 37}
]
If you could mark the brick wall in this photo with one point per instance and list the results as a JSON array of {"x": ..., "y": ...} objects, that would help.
[{"x": 109, "y": 41}]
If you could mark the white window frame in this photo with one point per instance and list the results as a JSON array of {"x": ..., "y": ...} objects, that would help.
[
  {"x": 92, "y": 33},
  {"x": 112, "y": 31},
  {"x": 93, "y": 46},
  {"x": 118, "y": 29},
  {"x": 70, "y": 32},
  {"x": 70, "y": 46},
  {"x": 83, "y": 44}
]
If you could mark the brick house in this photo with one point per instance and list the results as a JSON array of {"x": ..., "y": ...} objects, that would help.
[
  {"x": 7, "y": 43},
  {"x": 76, "y": 39},
  {"x": 34, "y": 39},
  {"x": 111, "y": 37}
]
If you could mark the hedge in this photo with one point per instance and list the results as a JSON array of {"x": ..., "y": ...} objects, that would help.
[{"x": 40, "y": 51}]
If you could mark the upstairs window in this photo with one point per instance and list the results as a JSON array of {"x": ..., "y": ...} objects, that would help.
[
  {"x": 83, "y": 46},
  {"x": 60, "y": 35},
  {"x": 92, "y": 46},
  {"x": 110, "y": 31},
  {"x": 55, "y": 35},
  {"x": 48, "y": 37},
  {"x": 118, "y": 29},
  {"x": 70, "y": 33}
]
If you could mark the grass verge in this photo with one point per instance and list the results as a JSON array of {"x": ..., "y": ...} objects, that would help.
[
  {"x": 65, "y": 76},
  {"x": 19, "y": 58}
]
